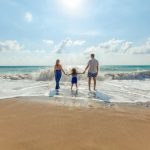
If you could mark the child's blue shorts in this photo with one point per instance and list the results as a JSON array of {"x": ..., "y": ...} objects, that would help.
[{"x": 74, "y": 80}]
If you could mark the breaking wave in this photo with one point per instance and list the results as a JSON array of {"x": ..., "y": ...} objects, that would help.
[
  {"x": 141, "y": 75},
  {"x": 48, "y": 75}
]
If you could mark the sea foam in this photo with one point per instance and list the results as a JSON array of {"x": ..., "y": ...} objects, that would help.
[{"x": 48, "y": 75}]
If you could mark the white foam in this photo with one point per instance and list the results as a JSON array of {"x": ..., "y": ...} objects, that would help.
[
  {"x": 48, "y": 75},
  {"x": 108, "y": 91}
]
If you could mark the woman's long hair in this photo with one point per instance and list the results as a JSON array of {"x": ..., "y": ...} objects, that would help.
[{"x": 57, "y": 63}]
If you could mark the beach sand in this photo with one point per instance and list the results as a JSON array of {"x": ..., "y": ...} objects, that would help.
[{"x": 31, "y": 125}]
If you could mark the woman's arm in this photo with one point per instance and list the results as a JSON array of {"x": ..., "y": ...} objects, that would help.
[{"x": 63, "y": 70}]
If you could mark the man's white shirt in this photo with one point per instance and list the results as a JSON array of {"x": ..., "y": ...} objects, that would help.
[{"x": 93, "y": 63}]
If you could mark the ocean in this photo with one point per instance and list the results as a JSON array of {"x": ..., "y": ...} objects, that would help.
[
  {"x": 104, "y": 68},
  {"x": 122, "y": 83}
]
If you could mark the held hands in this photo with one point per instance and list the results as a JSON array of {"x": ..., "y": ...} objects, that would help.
[
  {"x": 66, "y": 74},
  {"x": 84, "y": 72},
  {"x": 70, "y": 74}
]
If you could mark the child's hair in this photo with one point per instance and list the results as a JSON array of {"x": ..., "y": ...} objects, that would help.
[{"x": 74, "y": 71}]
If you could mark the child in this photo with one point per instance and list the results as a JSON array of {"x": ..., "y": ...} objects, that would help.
[{"x": 74, "y": 79}]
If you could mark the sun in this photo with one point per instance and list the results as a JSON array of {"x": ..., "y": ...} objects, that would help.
[{"x": 71, "y": 6}]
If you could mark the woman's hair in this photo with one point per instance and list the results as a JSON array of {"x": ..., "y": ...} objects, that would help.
[
  {"x": 57, "y": 62},
  {"x": 74, "y": 71}
]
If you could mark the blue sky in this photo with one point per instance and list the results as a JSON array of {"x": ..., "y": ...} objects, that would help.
[{"x": 38, "y": 32}]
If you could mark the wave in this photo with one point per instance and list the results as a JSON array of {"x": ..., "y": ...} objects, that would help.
[
  {"x": 48, "y": 75},
  {"x": 42, "y": 75},
  {"x": 141, "y": 75}
]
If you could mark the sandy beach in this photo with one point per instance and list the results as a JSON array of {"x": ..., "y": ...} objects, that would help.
[{"x": 31, "y": 125}]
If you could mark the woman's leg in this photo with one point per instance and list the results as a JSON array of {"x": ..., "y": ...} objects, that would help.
[{"x": 57, "y": 79}]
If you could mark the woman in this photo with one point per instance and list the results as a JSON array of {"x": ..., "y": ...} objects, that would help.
[{"x": 58, "y": 72}]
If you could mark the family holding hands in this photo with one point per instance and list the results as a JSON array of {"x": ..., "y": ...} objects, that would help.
[{"x": 92, "y": 66}]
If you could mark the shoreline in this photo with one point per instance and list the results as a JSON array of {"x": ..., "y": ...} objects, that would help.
[{"x": 95, "y": 102}]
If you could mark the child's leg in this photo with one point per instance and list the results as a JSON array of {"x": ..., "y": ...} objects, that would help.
[
  {"x": 71, "y": 86},
  {"x": 76, "y": 86}
]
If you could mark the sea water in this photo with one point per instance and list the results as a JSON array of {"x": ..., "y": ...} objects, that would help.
[{"x": 114, "y": 83}]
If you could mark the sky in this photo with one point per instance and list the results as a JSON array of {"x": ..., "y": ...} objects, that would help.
[{"x": 38, "y": 32}]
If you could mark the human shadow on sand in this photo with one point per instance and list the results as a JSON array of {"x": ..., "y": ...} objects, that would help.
[{"x": 103, "y": 97}]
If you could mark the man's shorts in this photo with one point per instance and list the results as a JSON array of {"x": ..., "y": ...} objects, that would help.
[{"x": 90, "y": 74}]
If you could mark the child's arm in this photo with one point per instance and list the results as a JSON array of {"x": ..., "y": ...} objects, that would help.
[
  {"x": 68, "y": 74},
  {"x": 80, "y": 73}
]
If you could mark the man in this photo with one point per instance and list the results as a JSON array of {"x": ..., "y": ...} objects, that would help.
[{"x": 93, "y": 67}]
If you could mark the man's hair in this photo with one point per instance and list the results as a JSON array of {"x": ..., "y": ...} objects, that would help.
[{"x": 92, "y": 55}]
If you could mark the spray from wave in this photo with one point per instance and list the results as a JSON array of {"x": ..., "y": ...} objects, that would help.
[
  {"x": 48, "y": 75},
  {"x": 141, "y": 75}
]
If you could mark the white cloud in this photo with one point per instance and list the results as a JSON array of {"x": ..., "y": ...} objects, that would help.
[
  {"x": 60, "y": 47},
  {"x": 70, "y": 42},
  {"x": 28, "y": 16},
  {"x": 115, "y": 46},
  {"x": 67, "y": 43},
  {"x": 10, "y": 45},
  {"x": 91, "y": 49},
  {"x": 50, "y": 42},
  {"x": 109, "y": 52},
  {"x": 78, "y": 42},
  {"x": 143, "y": 49},
  {"x": 120, "y": 46}
]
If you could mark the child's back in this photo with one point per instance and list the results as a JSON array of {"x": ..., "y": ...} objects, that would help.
[{"x": 74, "y": 76}]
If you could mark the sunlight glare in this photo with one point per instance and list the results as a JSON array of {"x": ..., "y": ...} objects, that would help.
[{"x": 71, "y": 6}]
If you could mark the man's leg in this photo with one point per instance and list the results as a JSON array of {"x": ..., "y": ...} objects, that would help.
[
  {"x": 89, "y": 83},
  {"x": 94, "y": 79}
]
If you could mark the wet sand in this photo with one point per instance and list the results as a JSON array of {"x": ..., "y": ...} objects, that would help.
[{"x": 31, "y": 125}]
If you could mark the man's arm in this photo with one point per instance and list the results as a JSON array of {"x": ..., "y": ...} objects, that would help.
[
  {"x": 97, "y": 67},
  {"x": 86, "y": 68}
]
